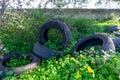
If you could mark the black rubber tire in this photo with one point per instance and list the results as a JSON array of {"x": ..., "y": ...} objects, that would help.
[
  {"x": 117, "y": 43},
  {"x": 18, "y": 70},
  {"x": 96, "y": 39},
  {"x": 44, "y": 52},
  {"x": 116, "y": 34},
  {"x": 112, "y": 28},
  {"x": 58, "y": 25}
]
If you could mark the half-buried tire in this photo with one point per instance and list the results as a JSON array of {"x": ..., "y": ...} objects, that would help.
[
  {"x": 104, "y": 41},
  {"x": 60, "y": 26},
  {"x": 44, "y": 52},
  {"x": 112, "y": 28},
  {"x": 116, "y": 34},
  {"x": 18, "y": 70},
  {"x": 117, "y": 43}
]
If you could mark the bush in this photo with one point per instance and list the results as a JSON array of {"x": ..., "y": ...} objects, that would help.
[
  {"x": 20, "y": 32},
  {"x": 84, "y": 25}
]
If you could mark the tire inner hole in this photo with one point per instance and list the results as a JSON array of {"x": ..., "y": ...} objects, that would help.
[
  {"x": 17, "y": 61},
  {"x": 89, "y": 43},
  {"x": 54, "y": 37}
]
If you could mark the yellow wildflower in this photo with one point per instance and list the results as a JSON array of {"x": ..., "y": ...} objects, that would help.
[
  {"x": 90, "y": 70},
  {"x": 115, "y": 59},
  {"x": 72, "y": 59},
  {"x": 77, "y": 76}
]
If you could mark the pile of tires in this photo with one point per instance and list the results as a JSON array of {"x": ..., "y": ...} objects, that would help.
[
  {"x": 42, "y": 52},
  {"x": 45, "y": 52}
]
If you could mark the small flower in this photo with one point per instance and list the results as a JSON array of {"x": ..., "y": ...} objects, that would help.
[
  {"x": 90, "y": 70},
  {"x": 115, "y": 59},
  {"x": 72, "y": 59},
  {"x": 77, "y": 76}
]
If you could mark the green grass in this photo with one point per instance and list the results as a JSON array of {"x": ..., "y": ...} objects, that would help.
[{"x": 19, "y": 33}]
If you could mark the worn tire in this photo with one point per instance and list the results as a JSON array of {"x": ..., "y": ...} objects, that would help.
[
  {"x": 112, "y": 29},
  {"x": 18, "y": 70},
  {"x": 59, "y": 26},
  {"x": 96, "y": 39},
  {"x": 44, "y": 52},
  {"x": 117, "y": 43},
  {"x": 116, "y": 34}
]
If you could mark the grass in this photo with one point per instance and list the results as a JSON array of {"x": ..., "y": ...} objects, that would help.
[{"x": 19, "y": 33}]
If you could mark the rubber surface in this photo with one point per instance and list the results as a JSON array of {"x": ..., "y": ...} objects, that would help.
[
  {"x": 96, "y": 39},
  {"x": 112, "y": 28},
  {"x": 116, "y": 34},
  {"x": 18, "y": 70},
  {"x": 44, "y": 52},
  {"x": 117, "y": 43},
  {"x": 59, "y": 26}
]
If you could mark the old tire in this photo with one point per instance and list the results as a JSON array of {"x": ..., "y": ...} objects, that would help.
[
  {"x": 44, "y": 52},
  {"x": 116, "y": 34},
  {"x": 96, "y": 39},
  {"x": 18, "y": 70},
  {"x": 59, "y": 26},
  {"x": 112, "y": 29},
  {"x": 117, "y": 43}
]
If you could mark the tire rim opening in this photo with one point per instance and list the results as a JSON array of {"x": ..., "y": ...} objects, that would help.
[
  {"x": 54, "y": 38},
  {"x": 17, "y": 61},
  {"x": 91, "y": 42}
]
